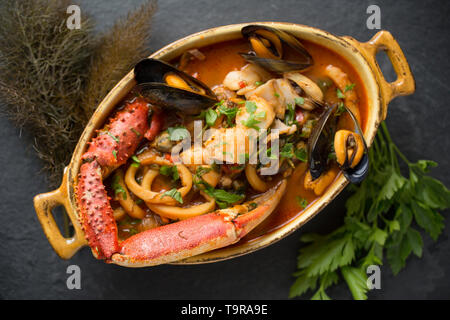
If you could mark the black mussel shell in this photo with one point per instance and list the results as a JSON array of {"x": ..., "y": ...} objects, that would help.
[
  {"x": 279, "y": 66},
  {"x": 165, "y": 96},
  {"x": 358, "y": 173},
  {"x": 273, "y": 65},
  {"x": 154, "y": 70},
  {"x": 319, "y": 147},
  {"x": 320, "y": 141}
]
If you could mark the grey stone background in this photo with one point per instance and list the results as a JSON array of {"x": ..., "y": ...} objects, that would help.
[{"x": 419, "y": 123}]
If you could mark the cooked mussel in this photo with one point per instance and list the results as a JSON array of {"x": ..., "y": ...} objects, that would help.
[
  {"x": 320, "y": 142},
  {"x": 358, "y": 170},
  {"x": 268, "y": 43},
  {"x": 350, "y": 147},
  {"x": 166, "y": 86}
]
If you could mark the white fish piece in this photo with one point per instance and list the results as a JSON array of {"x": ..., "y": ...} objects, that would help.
[
  {"x": 248, "y": 75},
  {"x": 263, "y": 114},
  {"x": 283, "y": 128}
]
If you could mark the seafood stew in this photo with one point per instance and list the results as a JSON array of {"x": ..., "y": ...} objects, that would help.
[{"x": 234, "y": 137}]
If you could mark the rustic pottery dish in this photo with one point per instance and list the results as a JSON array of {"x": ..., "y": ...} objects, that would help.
[{"x": 361, "y": 56}]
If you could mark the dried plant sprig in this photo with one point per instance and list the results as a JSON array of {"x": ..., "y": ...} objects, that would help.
[
  {"x": 118, "y": 50},
  {"x": 42, "y": 75},
  {"x": 52, "y": 78}
]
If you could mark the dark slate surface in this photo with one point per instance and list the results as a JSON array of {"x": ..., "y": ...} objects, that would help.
[{"x": 30, "y": 269}]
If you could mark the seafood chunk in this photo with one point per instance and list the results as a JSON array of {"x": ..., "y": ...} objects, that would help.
[
  {"x": 246, "y": 77},
  {"x": 229, "y": 144},
  {"x": 306, "y": 84},
  {"x": 341, "y": 80},
  {"x": 283, "y": 128},
  {"x": 223, "y": 93},
  {"x": 277, "y": 92},
  {"x": 260, "y": 118}
]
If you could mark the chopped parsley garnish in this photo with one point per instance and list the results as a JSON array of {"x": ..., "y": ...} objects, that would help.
[
  {"x": 299, "y": 101},
  {"x": 118, "y": 188},
  {"x": 339, "y": 94},
  {"x": 250, "y": 106},
  {"x": 340, "y": 109},
  {"x": 276, "y": 94},
  {"x": 287, "y": 151},
  {"x": 177, "y": 133},
  {"x": 174, "y": 194},
  {"x": 251, "y": 122},
  {"x": 290, "y": 115},
  {"x": 223, "y": 198},
  {"x": 258, "y": 83},
  {"x": 112, "y": 136},
  {"x": 211, "y": 117},
  {"x": 349, "y": 87},
  {"x": 114, "y": 152},
  {"x": 202, "y": 170},
  {"x": 230, "y": 113},
  {"x": 301, "y": 154},
  {"x": 136, "y": 162},
  {"x": 170, "y": 171},
  {"x": 301, "y": 202},
  {"x": 135, "y": 132},
  {"x": 270, "y": 155}
]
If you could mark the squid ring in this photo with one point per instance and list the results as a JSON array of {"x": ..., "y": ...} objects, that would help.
[
  {"x": 128, "y": 204},
  {"x": 157, "y": 197},
  {"x": 255, "y": 181},
  {"x": 179, "y": 213}
]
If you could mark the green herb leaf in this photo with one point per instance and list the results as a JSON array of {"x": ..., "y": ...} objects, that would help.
[
  {"x": 339, "y": 94},
  {"x": 302, "y": 202},
  {"x": 174, "y": 194},
  {"x": 287, "y": 151},
  {"x": 136, "y": 162},
  {"x": 290, "y": 114},
  {"x": 349, "y": 87},
  {"x": 117, "y": 187},
  {"x": 230, "y": 113},
  {"x": 369, "y": 232},
  {"x": 250, "y": 106},
  {"x": 211, "y": 117},
  {"x": 112, "y": 136},
  {"x": 251, "y": 122},
  {"x": 223, "y": 198},
  {"x": 301, "y": 154},
  {"x": 299, "y": 101},
  {"x": 135, "y": 132},
  {"x": 170, "y": 171}
]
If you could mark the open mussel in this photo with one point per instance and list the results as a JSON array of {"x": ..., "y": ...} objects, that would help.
[
  {"x": 267, "y": 44},
  {"x": 350, "y": 147},
  {"x": 168, "y": 87},
  {"x": 320, "y": 142},
  {"x": 356, "y": 163}
]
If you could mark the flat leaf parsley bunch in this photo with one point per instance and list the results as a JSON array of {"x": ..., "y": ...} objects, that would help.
[{"x": 378, "y": 224}]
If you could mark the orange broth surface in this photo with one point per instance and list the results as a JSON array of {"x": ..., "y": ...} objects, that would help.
[{"x": 222, "y": 58}]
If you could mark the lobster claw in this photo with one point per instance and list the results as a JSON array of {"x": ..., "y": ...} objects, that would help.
[{"x": 197, "y": 235}]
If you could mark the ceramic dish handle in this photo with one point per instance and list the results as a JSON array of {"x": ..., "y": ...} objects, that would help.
[
  {"x": 44, "y": 204},
  {"x": 404, "y": 85}
]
